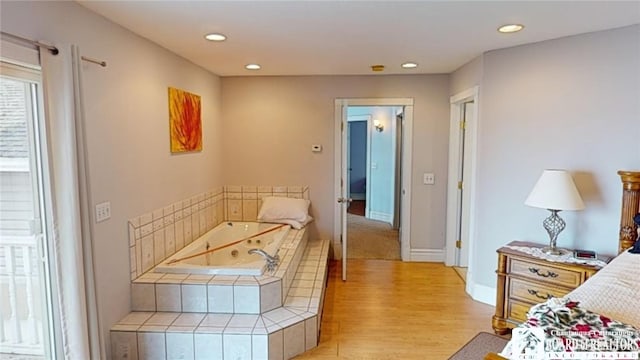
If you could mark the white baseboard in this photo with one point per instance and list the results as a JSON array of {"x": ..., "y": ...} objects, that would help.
[
  {"x": 380, "y": 216},
  {"x": 427, "y": 255},
  {"x": 482, "y": 293},
  {"x": 358, "y": 196}
]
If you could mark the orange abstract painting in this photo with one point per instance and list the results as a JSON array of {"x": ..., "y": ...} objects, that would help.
[{"x": 184, "y": 121}]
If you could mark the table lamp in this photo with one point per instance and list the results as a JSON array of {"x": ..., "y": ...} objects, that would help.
[{"x": 555, "y": 191}]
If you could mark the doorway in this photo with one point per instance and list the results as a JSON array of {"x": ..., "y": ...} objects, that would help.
[
  {"x": 372, "y": 180},
  {"x": 358, "y": 162},
  {"x": 386, "y": 184},
  {"x": 461, "y": 186}
]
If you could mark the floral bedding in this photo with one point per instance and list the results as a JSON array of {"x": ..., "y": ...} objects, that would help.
[{"x": 558, "y": 327}]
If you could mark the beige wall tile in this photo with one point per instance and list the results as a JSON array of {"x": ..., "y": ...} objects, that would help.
[
  {"x": 234, "y": 210},
  {"x": 249, "y": 210}
]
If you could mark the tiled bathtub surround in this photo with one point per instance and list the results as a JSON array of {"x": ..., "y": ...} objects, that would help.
[
  {"x": 221, "y": 293},
  {"x": 242, "y": 203},
  {"x": 159, "y": 234},
  {"x": 279, "y": 334}
]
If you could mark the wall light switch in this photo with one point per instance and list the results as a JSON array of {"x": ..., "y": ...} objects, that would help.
[
  {"x": 429, "y": 178},
  {"x": 103, "y": 211}
]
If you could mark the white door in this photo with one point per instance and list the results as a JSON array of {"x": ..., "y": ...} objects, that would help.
[
  {"x": 344, "y": 199},
  {"x": 461, "y": 184}
]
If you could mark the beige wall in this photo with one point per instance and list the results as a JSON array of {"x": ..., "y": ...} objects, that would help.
[
  {"x": 271, "y": 122},
  {"x": 466, "y": 76},
  {"x": 570, "y": 103},
  {"x": 127, "y": 129}
]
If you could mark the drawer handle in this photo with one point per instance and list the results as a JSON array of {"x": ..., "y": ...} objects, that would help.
[
  {"x": 548, "y": 274},
  {"x": 537, "y": 294}
]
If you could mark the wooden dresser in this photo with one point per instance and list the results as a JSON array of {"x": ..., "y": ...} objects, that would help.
[{"x": 524, "y": 280}]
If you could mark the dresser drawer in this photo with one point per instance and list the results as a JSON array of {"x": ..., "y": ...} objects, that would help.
[
  {"x": 518, "y": 310},
  {"x": 534, "y": 292},
  {"x": 547, "y": 274}
]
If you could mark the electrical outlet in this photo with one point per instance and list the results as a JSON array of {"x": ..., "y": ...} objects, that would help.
[
  {"x": 429, "y": 179},
  {"x": 103, "y": 211}
]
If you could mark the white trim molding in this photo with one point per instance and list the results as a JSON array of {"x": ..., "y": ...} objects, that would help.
[
  {"x": 482, "y": 293},
  {"x": 380, "y": 216},
  {"x": 427, "y": 255}
]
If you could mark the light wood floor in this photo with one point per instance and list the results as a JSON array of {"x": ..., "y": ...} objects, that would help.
[
  {"x": 396, "y": 310},
  {"x": 462, "y": 272}
]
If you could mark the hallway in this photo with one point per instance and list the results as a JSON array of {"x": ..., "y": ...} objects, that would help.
[{"x": 371, "y": 239}]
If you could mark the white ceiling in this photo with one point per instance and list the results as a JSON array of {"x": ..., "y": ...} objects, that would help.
[{"x": 347, "y": 37}]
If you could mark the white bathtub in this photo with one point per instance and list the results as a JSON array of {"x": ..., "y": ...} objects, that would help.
[{"x": 232, "y": 260}]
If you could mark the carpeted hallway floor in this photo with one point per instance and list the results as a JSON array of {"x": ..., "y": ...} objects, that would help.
[{"x": 371, "y": 239}]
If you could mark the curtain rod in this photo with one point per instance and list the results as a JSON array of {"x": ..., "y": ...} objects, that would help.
[
  {"x": 51, "y": 48},
  {"x": 99, "y": 62}
]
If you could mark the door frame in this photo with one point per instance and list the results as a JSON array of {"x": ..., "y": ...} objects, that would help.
[
  {"x": 406, "y": 170},
  {"x": 457, "y": 102}
]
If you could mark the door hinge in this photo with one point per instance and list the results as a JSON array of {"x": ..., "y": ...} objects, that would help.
[
  {"x": 463, "y": 125},
  {"x": 340, "y": 239},
  {"x": 460, "y": 185},
  {"x": 459, "y": 244},
  {"x": 342, "y": 126}
]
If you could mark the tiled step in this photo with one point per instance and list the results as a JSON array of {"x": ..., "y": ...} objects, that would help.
[{"x": 278, "y": 334}]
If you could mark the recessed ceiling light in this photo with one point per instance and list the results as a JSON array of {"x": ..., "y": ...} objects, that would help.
[
  {"x": 252, "y": 67},
  {"x": 215, "y": 37},
  {"x": 409, "y": 65},
  {"x": 510, "y": 28}
]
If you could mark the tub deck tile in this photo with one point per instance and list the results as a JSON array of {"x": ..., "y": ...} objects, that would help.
[
  {"x": 189, "y": 319},
  {"x": 209, "y": 330},
  {"x": 125, "y": 328},
  {"x": 264, "y": 280},
  {"x": 223, "y": 279},
  {"x": 173, "y": 278},
  {"x": 149, "y": 277},
  {"x": 216, "y": 320},
  {"x": 198, "y": 279}
]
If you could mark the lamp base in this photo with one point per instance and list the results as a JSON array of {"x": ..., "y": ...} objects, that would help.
[{"x": 554, "y": 251}]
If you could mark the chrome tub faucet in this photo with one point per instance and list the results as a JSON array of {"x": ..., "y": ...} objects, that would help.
[{"x": 272, "y": 261}]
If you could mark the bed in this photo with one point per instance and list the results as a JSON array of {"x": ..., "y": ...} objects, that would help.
[{"x": 603, "y": 314}]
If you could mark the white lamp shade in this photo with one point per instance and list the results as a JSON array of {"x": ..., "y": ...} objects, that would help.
[{"x": 555, "y": 190}]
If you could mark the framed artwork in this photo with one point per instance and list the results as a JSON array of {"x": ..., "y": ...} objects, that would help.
[{"x": 185, "y": 122}]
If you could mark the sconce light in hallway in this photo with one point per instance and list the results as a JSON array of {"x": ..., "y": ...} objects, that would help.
[{"x": 379, "y": 127}]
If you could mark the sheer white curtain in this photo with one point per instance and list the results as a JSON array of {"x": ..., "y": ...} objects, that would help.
[{"x": 72, "y": 227}]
